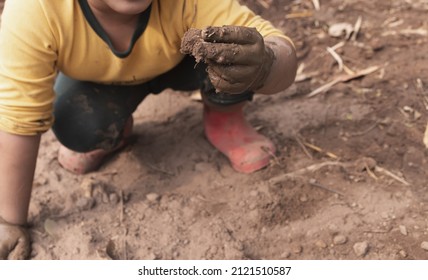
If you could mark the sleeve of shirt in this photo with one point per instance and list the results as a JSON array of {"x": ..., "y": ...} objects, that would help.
[
  {"x": 27, "y": 68},
  {"x": 203, "y": 13}
]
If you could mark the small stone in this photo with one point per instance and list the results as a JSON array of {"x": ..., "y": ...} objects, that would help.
[
  {"x": 202, "y": 167},
  {"x": 51, "y": 227},
  {"x": 41, "y": 181},
  {"x": 424, "y": 245},
  {"x": 151, "y": 256},
  {"x": 303, "y": 198},
  {"x": 126, "y": 197},
  {"x": 88, "y": 185},
  {"x": 340, "y": 239},
  {"x": 321, "y": 244},
  {"x": 85, "y": 203},
  {"x": 153, "y": 197},
  {"x": 113, "y": 198},
  {"x": 361, "y": 248},
  {"x": 403, "y": 230},
  {"x": 254, "y": 193},
  {"x": 297, "y": 249},
  {"x": 105, "y": 198},
  {"x": 285, "y": 255},
  {"x": 252, "y": 206},
  {"x": 403, "y": 253}
]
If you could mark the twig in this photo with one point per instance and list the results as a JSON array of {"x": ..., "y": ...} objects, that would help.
[
  {"x": 122, "y": 207},
  {"x": 305, "y": 76},
  {"x": 300, "y": 142},
  {"x": 426, "y": 137},
  {"x": 420, "y": 86},
  {"x": 314, "y": 183},
  {"x": 343, "y": 78},
  {"x": 392, "y": 175},
  {"x": 370, "y": 172},
  {"x": 377, "y": 231},
  {"x": 361, "y": 133},
  {"x": 307, "y": 169},
  {"x": 299, "y": 15},
  {"x": 125, "y": 245},
  {"x": 357, "y": 28},
  {"x": 264, "y": 3},
  {"x": 338, "y": 45},
  {"x": 300, "y": 76},
  {"x": 319, "y": 150},
  {"x": 317, "y": 5},
  {"x": 420, "y": 31},
  {"x": 336, "y": 57},
  {"x": 269, "y": 152}
]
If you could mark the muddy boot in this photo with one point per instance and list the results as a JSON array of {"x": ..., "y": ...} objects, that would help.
[
  {"x": 228, "y": 131},
  {"x": 82, "y": 163}
]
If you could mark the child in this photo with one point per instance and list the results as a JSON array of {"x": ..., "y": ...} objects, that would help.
[{"x": 110, "y": 54}]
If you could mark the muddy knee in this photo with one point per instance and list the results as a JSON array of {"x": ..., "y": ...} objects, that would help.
[{"x": 88, "y": 116}]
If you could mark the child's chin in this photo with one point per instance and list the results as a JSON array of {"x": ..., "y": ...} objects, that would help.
[{"x": 129, "y": 7}]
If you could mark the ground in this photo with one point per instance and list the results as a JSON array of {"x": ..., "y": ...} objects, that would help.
[{"x": 348, "y": 180}]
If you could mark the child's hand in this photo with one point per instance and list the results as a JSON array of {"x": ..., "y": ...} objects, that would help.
[
  {"x": 14, "y": 242},
  {"x": 237, "y": 57}
]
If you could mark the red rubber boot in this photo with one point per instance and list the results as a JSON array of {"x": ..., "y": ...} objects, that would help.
[
  {"x": 228, "y": 131},
  {"x": 82, "y": 163}
]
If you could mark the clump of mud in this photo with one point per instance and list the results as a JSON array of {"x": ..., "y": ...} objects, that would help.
[{"x": 193, "y": 44}]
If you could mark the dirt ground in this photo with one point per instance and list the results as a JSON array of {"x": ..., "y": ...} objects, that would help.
[{"x": 349, "y": 180}]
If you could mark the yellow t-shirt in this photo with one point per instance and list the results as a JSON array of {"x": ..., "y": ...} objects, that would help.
[{"x": 38, "y": 38}]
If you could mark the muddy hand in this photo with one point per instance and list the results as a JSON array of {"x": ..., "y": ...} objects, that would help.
[
  {"x": 14, "y": 242},
  {"x": 237, "y": 57}
]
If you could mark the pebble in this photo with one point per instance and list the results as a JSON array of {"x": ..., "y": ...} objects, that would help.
[
  {"x": 105, "y": 198},
  {"x": 297, "y": 249},
  {"x": 252, "y": 206},
  {"x": 151, "y": 256},
  {"x": 303, "y": 198},
  {"x": 153, "y": 197},
  {"x": 202, "y": 167},
  {"x": 403, "y": 253},
  {"x": 85, "y": 203},
  {"x": 424, "y": 245},
  {"x": 340, "y": 239},
  {"x": 254, "y": 193},
  {"x": 361, "y": 248},
  {"x": 321, "y": 244},
  {"x": 41, "y": 181},
  {"x": 87, "y": 186},
  {"x": 403, "y": 230},
  {"x": 240, "y": 203},
  {"x": 51, "y": 227},
  {"x": 113, "y": 198},
  {"x": 285, "y": 255}
]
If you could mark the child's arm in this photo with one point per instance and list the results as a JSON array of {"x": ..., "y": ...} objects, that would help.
[
  {"x": 17, "y": 166},
  {"x": 240, "y": 59},
  {"x": 284, "y": 67}
]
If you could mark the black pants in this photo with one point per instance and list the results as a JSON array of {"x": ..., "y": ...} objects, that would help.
[{"x": 91, "y": 116}]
